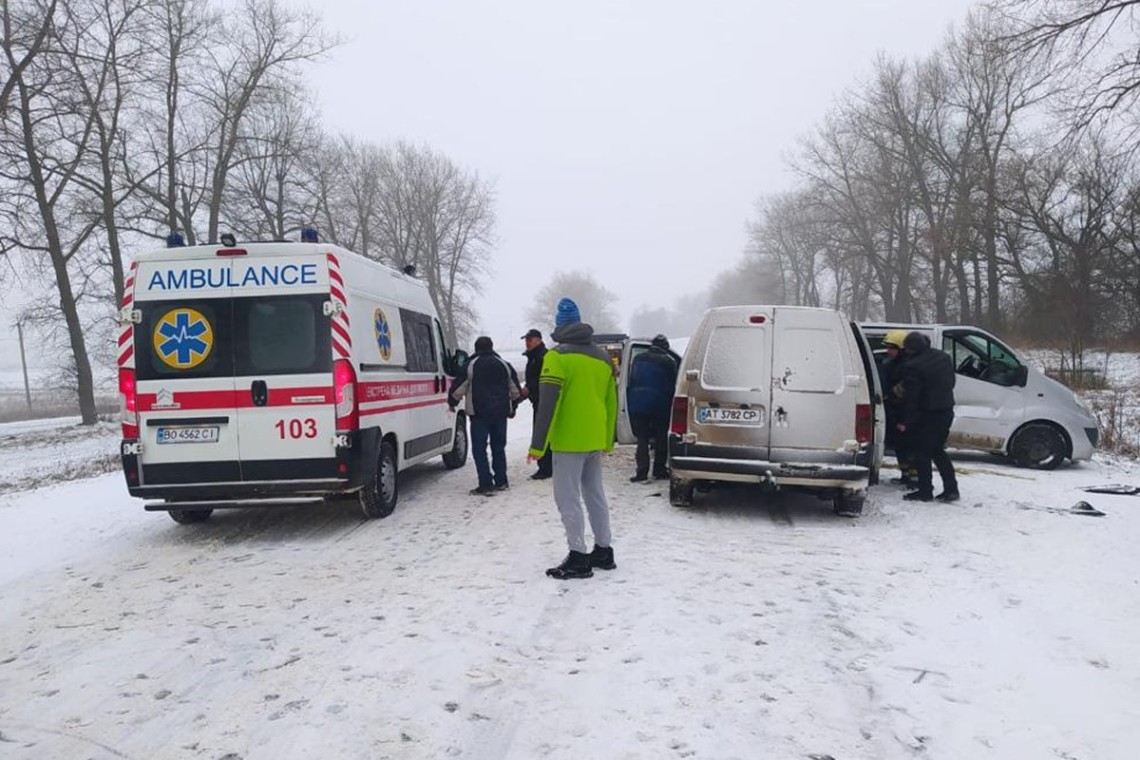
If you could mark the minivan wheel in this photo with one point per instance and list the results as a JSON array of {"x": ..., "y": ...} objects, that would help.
[
  {"x": 1039, "y": 446},
  {"x": 457, "y": 457},
  {"x": 849, "y": 504},
  {"x": 379, "y": 494},
  {"x": 680, "y": 493},
  {"x": 190, "y": 516}
]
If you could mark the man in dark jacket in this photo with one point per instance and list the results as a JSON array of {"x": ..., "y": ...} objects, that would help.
[
  {"x": 535, "y": 353},
  {"x": 649, "y": 399},
  {"x": 490, "y": 390},
  {"x": 928, "y": 411}
]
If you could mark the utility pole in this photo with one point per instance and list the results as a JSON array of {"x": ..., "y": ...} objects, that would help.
[{"x": 24, "y": 364}]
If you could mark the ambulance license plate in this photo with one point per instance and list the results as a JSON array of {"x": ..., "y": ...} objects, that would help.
[
  {"x": 188, "y": 434},
  {"x": 711, "y": 415}
]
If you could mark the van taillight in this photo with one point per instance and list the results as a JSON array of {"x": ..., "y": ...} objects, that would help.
[
  {"x": 680, "y": 424},
  {"x": 344, "y": 383},
  {"x": 129, "y": 408},
  {"x": 864, "y": 423}
]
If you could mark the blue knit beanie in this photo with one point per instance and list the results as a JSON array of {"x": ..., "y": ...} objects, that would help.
[{"x": 567, "y": 313}]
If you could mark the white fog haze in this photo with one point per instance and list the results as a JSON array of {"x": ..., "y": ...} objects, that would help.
[{"x": 627, "y": 139}]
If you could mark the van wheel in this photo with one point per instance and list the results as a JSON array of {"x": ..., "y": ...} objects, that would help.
[
  {"x": 680, "y": 493},
  {"x": 457, "y": 457},
  {"x": 849, "y": 504},
  {"x": 190, "y": 516},
  {"x": 379, "y": 494},
  {"x": 1039, "y": 446}
]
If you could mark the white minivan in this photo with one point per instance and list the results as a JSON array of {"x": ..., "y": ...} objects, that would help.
[
  {"x": 1004, "y": 405},
  {"x": 279, "y": 370},
  {"x": 779, "y": 395}
]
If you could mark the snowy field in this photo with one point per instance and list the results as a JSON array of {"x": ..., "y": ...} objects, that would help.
[{"x": 1001, "y": 627}]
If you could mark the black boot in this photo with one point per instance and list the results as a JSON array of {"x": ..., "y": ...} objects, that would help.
[
  {"x": 576, "y": 565},
  {"x": 639, "y": 478},
  {"x": 918, "y": 496},
  {"x": 602, "y": 557}
]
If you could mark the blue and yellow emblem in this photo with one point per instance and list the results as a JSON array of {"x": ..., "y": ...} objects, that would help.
[
  {"x": 383, "y": 334},
  {"x": 183, "y": 338}
]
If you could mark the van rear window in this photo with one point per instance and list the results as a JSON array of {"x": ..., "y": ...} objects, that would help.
[
  {"x": 736, "y": 358},
  {"x": 814, "y": 358}
]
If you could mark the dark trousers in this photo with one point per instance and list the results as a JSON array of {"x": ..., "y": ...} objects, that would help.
[
  {"x": 898, "y": 442},
  {"x": 545, "y": 462},
  {"x": 495, "y": 431},
  {"x": 657, "y": 429},
  {"x": 928, "y": 446}
]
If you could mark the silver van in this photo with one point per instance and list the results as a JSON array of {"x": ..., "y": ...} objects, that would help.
[
  {"x": 1003, "y": 405},
  {"x": 778, "y": 395}
]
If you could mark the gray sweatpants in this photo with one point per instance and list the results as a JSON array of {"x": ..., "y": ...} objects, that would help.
[{"x": 578, "y": 478}]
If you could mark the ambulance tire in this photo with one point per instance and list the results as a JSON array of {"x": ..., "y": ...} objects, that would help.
[
  {"x": 457, "y": 457},
  {"x": 379, "y": 494},
  {"x": 190, "y": 516}
]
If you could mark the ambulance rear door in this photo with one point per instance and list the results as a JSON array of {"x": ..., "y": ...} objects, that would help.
[
  {"x": 284, "y": 309},
  {"x": 188, "y": 425}
]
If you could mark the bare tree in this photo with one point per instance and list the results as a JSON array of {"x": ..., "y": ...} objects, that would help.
[
  {"x": 1096, "y": 36},
  {"x": 595, "y": 302},
  {"x": 45, "y": 141},
  {"x": 257, "y": 57}
]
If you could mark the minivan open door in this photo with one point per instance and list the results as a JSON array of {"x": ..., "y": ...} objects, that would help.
[{"x": 630, "y": 351}]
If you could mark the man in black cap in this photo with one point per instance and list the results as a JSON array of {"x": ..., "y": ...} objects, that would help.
[
  {"x": 489, "y": 389},
  {"x": 649, "y": 399},
  {"x": 535, "y": 353},
  {"x": 928, "y": 411}
]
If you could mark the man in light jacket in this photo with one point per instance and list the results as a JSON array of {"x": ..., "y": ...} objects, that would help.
[{"x": 577, "y": 415}]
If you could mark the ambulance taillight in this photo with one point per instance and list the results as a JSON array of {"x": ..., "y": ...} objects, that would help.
[
  {"x": 129, "y": 396},
  {"x": 344, "y": 383}
]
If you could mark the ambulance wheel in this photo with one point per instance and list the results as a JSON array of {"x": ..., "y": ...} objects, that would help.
[
  {"x": 379, "y": 494},
  {"x": 457, "y": 457},
  {"x": 190, "y": 516}
]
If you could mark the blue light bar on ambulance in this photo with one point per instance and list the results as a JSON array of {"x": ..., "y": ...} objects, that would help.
[
  {"x": 175, "y": 240},
  {"x": 309, "y": 235}
]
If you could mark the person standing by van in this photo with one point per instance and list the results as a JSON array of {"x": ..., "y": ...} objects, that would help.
[
  {"x": 491, "y": 388},
  {"x": 535, "y": 353},
  {"x": 649, "y": 398},
  {"x": 928, "y": 411},
  {"x": 577, "y": 416},
  {"x": 891, "y": 378}
]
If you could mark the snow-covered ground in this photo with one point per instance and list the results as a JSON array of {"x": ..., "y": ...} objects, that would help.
[{"x": 751, "y": 627}]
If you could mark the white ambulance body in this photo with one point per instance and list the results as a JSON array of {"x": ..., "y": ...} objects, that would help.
[{"x": 278, "y": 371}]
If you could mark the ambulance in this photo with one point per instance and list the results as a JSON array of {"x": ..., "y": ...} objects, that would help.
[{"x": 279, "y": 372}]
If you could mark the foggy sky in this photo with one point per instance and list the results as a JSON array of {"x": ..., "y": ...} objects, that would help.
[{"x": 628, "y": 138}]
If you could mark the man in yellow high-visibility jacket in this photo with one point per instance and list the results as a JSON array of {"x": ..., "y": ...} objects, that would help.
[{"x": 577, "y": 415}]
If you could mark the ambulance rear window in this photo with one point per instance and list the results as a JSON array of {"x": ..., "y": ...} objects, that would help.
[{"x": 282, "y": 335}]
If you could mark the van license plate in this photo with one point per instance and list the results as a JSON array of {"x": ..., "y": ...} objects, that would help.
[
  {"x": 188, "y": 434},
  {"x": 708, "y": 415}
]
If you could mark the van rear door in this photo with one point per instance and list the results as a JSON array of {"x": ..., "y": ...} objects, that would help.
[
  {"x": 814, "y": 385},
  {"x": 183, "y": 342},
  {"x": 730, "y": 401},
  {"x": 283, "y": 368}
]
